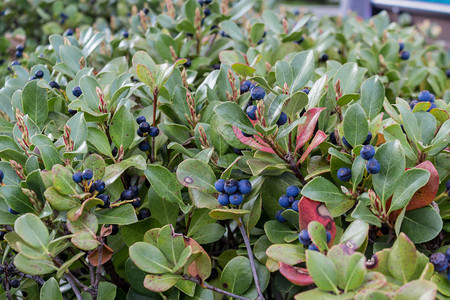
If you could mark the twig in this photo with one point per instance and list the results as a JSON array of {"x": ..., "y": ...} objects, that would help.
[
  {"x": 73, "y": 286},
  {"x": 155, "y": 105},
  {"x": 8, "y": 293},
  {"x": 36, "y": 278},
  {"x": 99, "y": 271},
  {"x": 213, "y": 288},
  {"x": 250, "y": 257}
]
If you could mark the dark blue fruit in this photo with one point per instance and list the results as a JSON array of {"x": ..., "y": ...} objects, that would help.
[
  {"x": 292, "y": 191},
  {"x": 230, "y": 187},
  {"x": 236, "y": 199},
  {"x": 139, "y": 133},
  {"x": 54, "y": 85},
  {"x": 246, "y": 134},
  {"x": 373, "y": 166},
  {"x": 333, "y": 138},
  {"x": 32, "y": 78},
  {"x": 447, "y": 254},
  {"x": 144, "y": 214},
  {"x": 258, "y": 93},
  {"x": 447, "y": 73},
  {"x": 284, "y": 201},
  {"x": 344, "y": 174},
  {"x": 282, "y": 119},
  {"x": 432, "y": 106},
  {"x": 125, "y": 34},
  {"x": 144, "y": 146},
  {"x": 219, "y": 185},
  {"x": 15, "y": 63},
  {"x": 39, "y": 74},
  {"x": 77, "y": 177},
  {"x": 304, "y": 238},
  {"x": 328, "y": 236},
  {"x": 447, "y": 185},
  {"x": 413, "y": 103},
  {"x": 114, "y": 229},
  {"x": 323, "y": 58},
  {"x": 12, "y": 211},
  {"x": 404, "y": 55},
  {"x": 69, "y": 32},
  {"x": 346, "y": 143},
  {"x": 439, "y": 261},
  {"x": 2, "y": 175},
  {"x": 251, "y": 112},
  {"x": 244, "y": 186},
  {"x": 87, "y": 174},
  {"x": 223, "y": 199},
  {"x": 401, "y": 46},
  {"x": 135, "y": 190},
  {"x": 188, "y": 63},
  {"x": 140, "y": 119},
  {"x": 313, "y": 247},
  {"x": 136, "y": 202},
  {"x": 367, "y": 152},
  {"x": 425, "y": 96},
  {"x": 144, "y": 127},
  {"x": 126, "y": 195},
  {"x": 154, "y": 131},
  {"x": 295, "y": 205},
  {"x": 245, "y": 86},
  {"x": 306, "y": 91},
  {"x": 106, "y": 200},
  {"x": 15, "y": 283},
  {"x": 19, "y": 54},
  {"x": 20, "y": 48},
  {"x": 207, "y": 11},
  {"x": 99, "y": 185},
  {"x": 279, "y": 217},
  {"x": 368, "y": 139},
  {"x": 76, "y": 91}
]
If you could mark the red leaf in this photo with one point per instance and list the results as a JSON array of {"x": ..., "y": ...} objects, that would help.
[
  {"x": 298, "y": 276},
  {"x": 255, "y": 142},
  {"x": 306, "y": 130},
  {"x": 107, "y": 253},
  {"x": 200, "y": 268},
  {"x": 317, "y": 140},
  {"x": 310, "y": 210}
]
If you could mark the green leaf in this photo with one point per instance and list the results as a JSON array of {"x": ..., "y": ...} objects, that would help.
[
  {"x": 422, "y": 224},
  {"x": 47, "y": 149},
  {"x": 358, "y": 167},
  {"x": 392, "y": 161},
  {"x": 356, "y": 233},
  {"x": 106, "y": 291},
  {"x": 372, "y": 96},
  {"x": 227, "y": 213},
  {"x": 34, "y": 102},
  {"x": 121, "y": 128},
  {"x": 318, "y": 235},
  {"x": 62, "y": 180},
  {"x": 145, "y": 76},
  {"x": 99, "y": 140},
  {"x": 286, "y": 253},
  {"x": 164, "y": 182},
  {"x": 409, "y": 183},
  {"x": 348, "y": 77},
  {"x": 417, "y": 289},
  {"x": 122, "y": 215},
  {"x": 402, "y": 258},
  {"x": 322, "y": 271},
  {"x": 50, "y": 290},
  {"x": 277, "y": 232},
  {"x": 356, "y": 127},
  {"x": 196, "y": 174},
  {"x": 163, "y": 211},
  {"x": 356, "y": 272},
  {"x": 237, "y": 276},
  {"x": 303, "y": 67},
  {"x": 148, "y": 258},
  {"x": 78, "y": 129},
  {"x": 161, "y": 283},
  {"x": 257, "y": 32},
  {"x": 283, "y": 73},
  {"x": 243, "y": 69},
  {"x": 321, "y": 189},
  {"x": 112, "y": 172},
  {"x": 170, "y": 244},
  {"x": 89, "y": 85},
  {"x": 16, "y": 199},
  {"x": 59, "y": 201},
  {"x": 410, "y": 124},
  {"x": 233, "y": 114},
  {"x": 34, "y": 266},
  {"x": 32, "y": 230}
]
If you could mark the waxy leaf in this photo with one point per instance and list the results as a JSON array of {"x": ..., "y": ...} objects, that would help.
[
  {"x": 298, "y": 276},
  {"x": 161, "y": 283},
  {"x": 196, "y": 174},
  {"x": 233, "y": 114},
  {"x": 356, "y": 127},
  {"x": 148, "y": 258}
]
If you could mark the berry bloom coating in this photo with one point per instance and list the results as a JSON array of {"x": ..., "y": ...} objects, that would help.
[
  {"x": 251, "y": 112},
  {"x": 401, "y": 46},
  {"x": 244, "y": 186},
  {"x": 333, "y": 138},
  {"x": 125, "y": 34},
  {"x": 306, "y": 91},
  {"x": 15, "y": 283},
  {"x": 54, "y": 85},
  {"x": 144, "y": 214},
  {"x": 284, "y": 201},
  {"x": 76, "y": 91},
  {"x": 404, "y": 55},
  {"x": 106, "y": 200},
  {"x": 223, "y": 199},
  {"x": 295, "y": 205},
  {"x": 447, "y": 254},
  {"x": 144, "y": 146},
  {"x": 2, "y": 175},
  {"x": 144, "y": 127},
  {"x": 236, "y": 199},
  {"x": 12, "y": 211},
  {"x": 313, "y": 247},
  {"x": 413, "y": 103},
  {"x": 282, "y": 119},
  {"x": 230, "y": 187},
  {"x": 39, "y": 74},
  {"x": 126, "y": 195},
  {"x": 77, "y": 177},
  {"x": 87, "y": 174},
  {"x": 425, "y": 96},
  {"x": 292, "y": 191},
  {"x": 367, "y": 152},
  {"x": 246, "y": 134},
  {"x": 154, "y": 131},
  {"x": 219, "y": 185},
  {"x": 207, "y": 11},
  {"x": 140, "y": 119},
  {"x": 304, "y": 238},
  {"x": 344, "y": 174},
  {"x": 99, "y": 185},
  {"x": 346, "y": 144},
  {"x": 368, "y": 139},
  {"x": 439, "y": 261},
  {"x": 373, "y": 166},
  {"x": 279, "y": 217},
  {"x": 258, "y": 93},
  {"x": 139, "y": 133},
  {"x": 433, "y": 105},
  {"x": 328, "y": 236},
  {"x": 136, "y": 202}
]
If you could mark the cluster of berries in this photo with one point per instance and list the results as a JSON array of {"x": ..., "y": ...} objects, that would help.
[
  {"x": 424, "y": 96},
  {"x": 404, "y": 55},
  {"x": 372, "y": 165},
  {"x": 305, "y": 239},
  {"x": 144, "y": 130},
  {"x": 37, "y": 75},
  {"x": 132, "y": 193},
  {"x": 19, "y": 51},
  {"x": 441, "y": 262},
  {"x": 97, "y": 186},
  {"x": 9, "y": 270},
  {"x": 231, "y": 191},
  {"x": 206, "y": 10},
  {"x": 63, "y": 19},
  {"x": 288, "y": 201}
]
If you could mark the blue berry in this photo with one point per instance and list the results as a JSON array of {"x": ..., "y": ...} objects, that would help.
[
  {"x": 230, "y": 187},
  {"x": 432, "y": 106},
  {"x": 144, "y": 214},
  {"x": 32, "y": 78},
  {"x": 236, "y": 199},
  {"x": 125, "y": 34},
  {"x": 401, "y": 46},
  {"x": 144, "y": 145},
  {"x": 295, "y": 205},
  {"x": 368, "y": 139},
  {"x": 323, "y": 58},
  {"x": 424, "y": 96},
  {"x": 188, "y": 63},
  {"x": 447, "y": 254},
  {"x": 12, "y": 211},
  {"x": 68, "y": 32},
  {"x": 447, "y": 73},
  {"x": 224, "y": 34},
  {"x": 87, "y": 174},
  {"x": 404, "y": 55},
  {"x": 439, "y": 261},
  {"x": 344, "y": 174},
  {"x": 39, "y": 74},
  {"x": 257, "y": 93},
  {"x": 139, "y": 133},
  {"x": 76, "y": 91},
  {"x": 106, "y": 200},
  {"x": 260, "y": 42},
  {"x": 20, "y": 48},
  {"x": 246, "y": 134},
  {"x": 346, "y": 143},
  {"x": 223, "y": 199},
  {"x": 146, "y": 10},
  {"x": 54, "y": 85},
  {"x": 279, "y": 217},
  {"x": 77, "y": 177},
  {"x": 367, "y": 152},
  {"x": 333, "y": 138},
  {"x": 245, "y": 86},
  {"x": 219, "y": 185},
  {"x": 292, "y": 191},
  {"x": 306, "y": 91},
  {"x": 244, "y": 186},
  {"x": 144, "y": 127},
  {"x": 207, "y": 2},
  {"x": 373, "y": 166},
  {"x": 15, "y": 63},
  {"x": 447, "y": 185},
  {"x": 200, "y": 2},
  {"x": 99, "y": 185},
  {"x": 251, "y": 112},
  {"x": 154, "y": 131},
  {"x": 282, "y": 119},
  {"x": 2, "y": 175},
  {"x": 19, "y": 54},
  {"x": 140, "y": 119},
  {"x": 413, "y": 103},
  {"x": 207, "y": 11},
  {"x": 313, "y": 247},
  {"x": 304, "y": 238},
  {"x": 284, "y": 201},
  {"x": 328, "y": 236},
  {"x": 126, "y": 195},
  {"x": 136, "y": 202}
]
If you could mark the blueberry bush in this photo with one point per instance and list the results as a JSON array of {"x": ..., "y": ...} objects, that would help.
[{"x": 218, "y": 150}]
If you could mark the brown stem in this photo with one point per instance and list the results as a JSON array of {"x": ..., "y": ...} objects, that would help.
[
  {"x": 36, "y": 278},
  {"x": 73, "y": 286},
  {"x": 213, "y": 288},
  {"x": 98, "y": 272}
]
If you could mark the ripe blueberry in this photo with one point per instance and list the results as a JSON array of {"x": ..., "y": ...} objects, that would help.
[
  {"x": 230, "y": 186},
  {"x": 15, "y": 283},
  {"x": 99, "y": 185},
  {"x": 304, "y": 238},
  {"x": 136, "y": 202},
  {"x": 135, "y": 190},
  {"x": 15, "y": 63},
  {"x": 439, "y": 261},
  {"x": 54, "y": 85},
  {"x": 154, "y": 131},
  {"x": 251, "y": 112},
  {"x": 19, "y": 54},
  {"x": 114, "y": 229},
  {"x": 144, "y": 127},
  {"x": 106, "y": 200},
  {"x": 87, "y": 174},
  {"x": 245, "y": 86},
  {"x": 140, "y": 119},
  {"x": 257, "y": 93},
  {"x": 323, "y": 58},
  {"x": 144, "y": 145},
  {"x": 12, "y": 211},
  {"x": 125, "y": 34},
  {"x": 367, "y": 152},
  {"x": 433, "y": 105},
  {"x": 313, "y": 247},
  {"x": 447, "y": 73},
  {"x": 279, "y": 217},
  {"x": 73, "y": 112},
  {"x": 76, "y": 91},
  {"x": 333, "y": 138},
  {"x": 236, "y": 199},
  {"x": 144, "y": 214},
  {"x": 295, "y": 205},
  {"x": 223, "y": 199},
  {"x": 2, "y": 235},
  {"x": 447, "y": 185},
  {"x": 292, "y": 191},
  {"x": 39, "y": 74},
  {"x": 20, "y": 48},
  {"x": 207, "y": 11},
  {"x": 373, "y": 166},
  {"x": 282, "y": 119},
  {"x": 299, "y": 41},
  {"x": 244, "y": 186},
  {"x": 346, "y": 144},
  {"x": 344, "y": 174},
  {"x": 447, "y": 254},
  {"x": 328, "y": 236},
  {"x": 404, "y": 55},
  {"x": 207, "y": 1},
  {"x": 401, "y": 46},
  {"x": 368, "y": 139},
  {"x": 188, "y": 63},
  {"x": 284, "y": 201},
  {"x": 68, "y": 32},
  {"x": 139, "y": 133},
  {"x": 2, "y": 175},
  {"x": 219, "y": 185},
  {"x": 77, "y": 177},
  {"x": 306, "y": 91},
  {"x": 413, "y": 103},
  {"x": 146, "y": 10},
  {"x": 425, "y": 96}
]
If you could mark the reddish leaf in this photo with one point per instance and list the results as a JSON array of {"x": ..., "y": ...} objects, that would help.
[
  {"x": 106, "y": 255},
  {"x": 255, "y": 142},
  {"x": 310, "y": 210},
  {"x": 298, "y": 276},
  {"x": 200, "y": 268},
  {"x": 317, "y": 140},
  {"x": 306, "y": 130}
]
